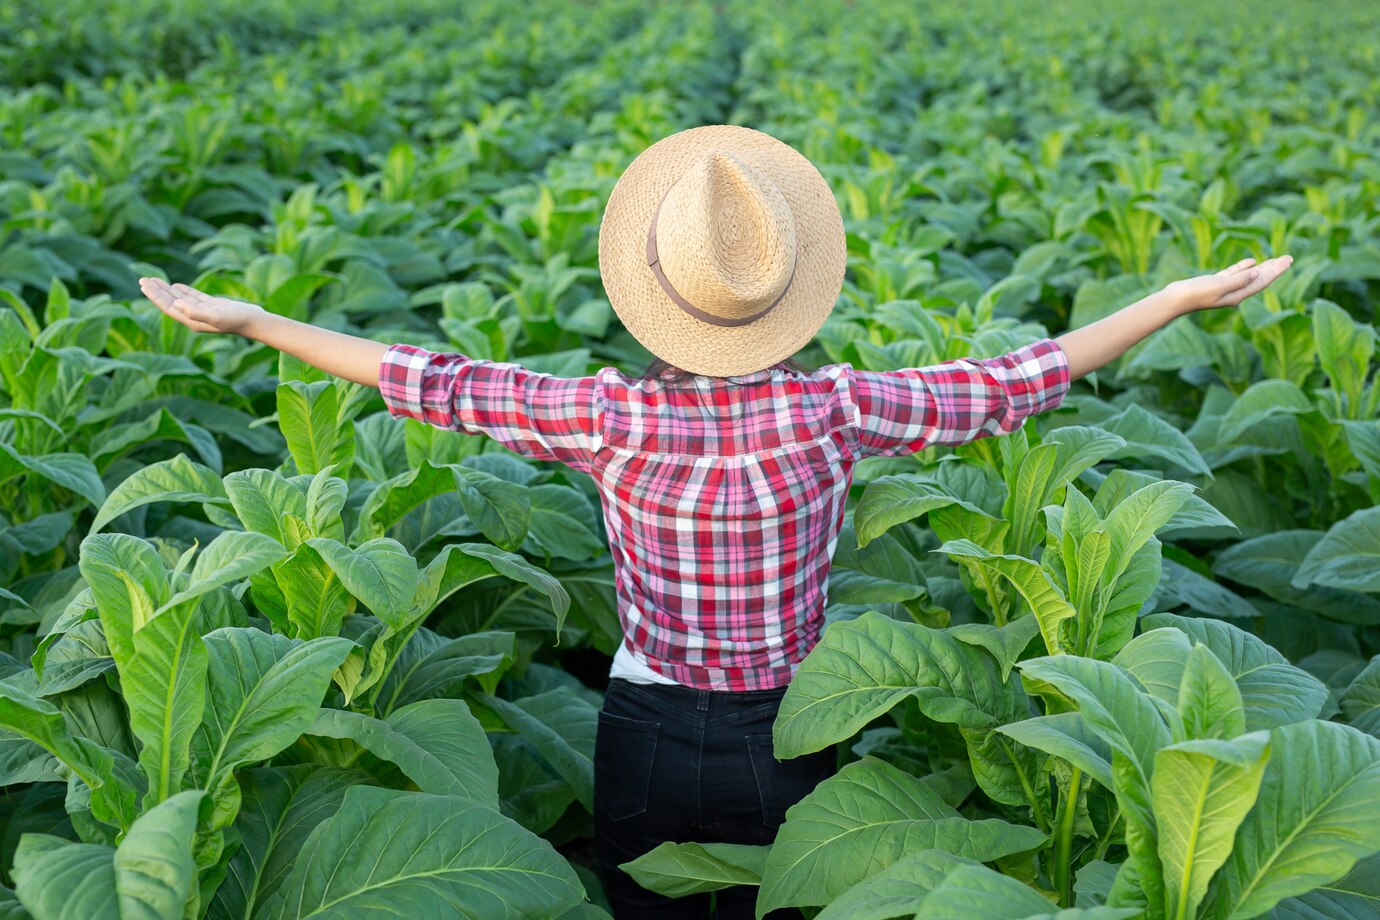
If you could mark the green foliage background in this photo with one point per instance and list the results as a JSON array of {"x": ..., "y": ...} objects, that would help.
[{"x": 1046, "y": 651}]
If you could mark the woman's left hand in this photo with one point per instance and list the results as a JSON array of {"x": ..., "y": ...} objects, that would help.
[
  {"x": 1228, "y": 287},
  {"x": 201, "y": 312}
]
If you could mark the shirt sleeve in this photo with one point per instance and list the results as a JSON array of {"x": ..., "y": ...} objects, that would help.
[
  {"x": 959, "y": 401},
  {"x": 537, "y": 415}
]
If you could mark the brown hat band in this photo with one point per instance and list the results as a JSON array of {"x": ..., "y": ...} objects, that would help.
[{"x": 654, "y": 262}]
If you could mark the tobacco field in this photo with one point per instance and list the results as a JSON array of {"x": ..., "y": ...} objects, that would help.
[{"x": 268, "y": 653}]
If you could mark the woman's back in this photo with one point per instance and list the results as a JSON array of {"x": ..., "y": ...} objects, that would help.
[
  {"x": 723, "y": 496},
  {"x": 723, "y": 499}
]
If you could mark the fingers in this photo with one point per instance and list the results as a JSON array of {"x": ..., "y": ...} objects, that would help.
[
  {"x": 175, "y": 302},
  {"x": 1233, "y": 269},
  {"x": 1236, "y": 281},
  {"x": 158, "y": 293},
  {"x": 191, "y": 293},
  {"x": 1259, "y": 279}
]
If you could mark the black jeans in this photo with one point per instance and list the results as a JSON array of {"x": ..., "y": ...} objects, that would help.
[{"x": 676, "y": 763}]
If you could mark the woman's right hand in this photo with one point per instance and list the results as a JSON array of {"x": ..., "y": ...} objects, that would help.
[{"x": 200, "y": 312}]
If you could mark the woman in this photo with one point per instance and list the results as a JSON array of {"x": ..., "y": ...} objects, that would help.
[{"x": 723, "y": 471}]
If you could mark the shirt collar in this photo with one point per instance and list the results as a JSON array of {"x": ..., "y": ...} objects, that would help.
[{"x": 754, "y": 377}]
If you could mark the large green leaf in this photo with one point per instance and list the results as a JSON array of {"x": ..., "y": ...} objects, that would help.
[
  {"x": 1355, "y": 896},
  {"x": 1262, "y": 400},
  {"x": 381, "y": 573},
  {"x": 1047, "y": 602},
  {"x": 438, "y": 744},
  {"x": 564, "y": 523},
  {"x": 1345, "y": 348},
  {"x": 935, "y": 885},
  {"x": 560, "y": 725},
  {"x": 73, "y": 657},
  {"x": 1117, "y": 711},
  {"x": 128, "y": 582},
  {"x": 863, "y": 667},
  {"x": 1317, "y": 814},
  {"x": 1066, "y": 735},
  {"x": 1273, "y": 691},
  {"x": 1268, "y": 564},
  {"x": 453, "y": 568},
  {"x": 1360, "y": 702},
  {"x": 863, "y": 819},
  {"x": 432, "y": 666},
  {"x": 263, "y": 693},
  {"x": 24, "y": 761},
  {"x": 1147, "y": 434},
  {"x": 326, "y": 498},
  {"x": 1347, "y": 557},
  {"x": 175, "y": 480},
  {"x": 518, "y": 569},
  {"x": 1210, "y": 704},
  {"x": 859, "y": 669},
  {"x": 678, "y": 869},
  {"x": 1031, "y": 482},
  {"x": 112, "y": 442},
  {"x": 441, "y": 856},
  {"x": 261, "y": 497},
  {"x": 1135, "y": 519},
  {"x": 891, "y": 500},
  {"x": 155, "y": 873},
  {"x": 74, "y": 472},
  {"x": 105, "y": 772},
  {"x": 61, "y": 880},
  {"x": 314, "y": 599},
  {"x": 1196, "y": 518},
  {"x": 308, "y": 414},
  {"x": 976, "y": 891},
  {"x": 164, "y": 683},
  {"x": 151, "y": 876},
  {"x": 280, "y": 807},
  {"x": 1201, "y": 792},
  {"x": 232, "y": 556},
  {"x": 1078, "y": 448},
  {"x": 499, "y": 508},
  {"x": 896, "y": 891},
  {"x": 1007, "y": 644}
]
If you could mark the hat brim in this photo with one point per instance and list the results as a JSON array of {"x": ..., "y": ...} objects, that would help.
[{"x": 664, "y": 328}]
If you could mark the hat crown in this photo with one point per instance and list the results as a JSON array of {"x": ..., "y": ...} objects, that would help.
[{"x": 726, "y": 237}]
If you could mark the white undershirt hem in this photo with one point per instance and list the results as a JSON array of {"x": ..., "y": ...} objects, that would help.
[{"x": 629, "y": 668}]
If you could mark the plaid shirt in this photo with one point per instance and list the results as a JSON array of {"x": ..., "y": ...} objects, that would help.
[{"x": 724, "y": 497}]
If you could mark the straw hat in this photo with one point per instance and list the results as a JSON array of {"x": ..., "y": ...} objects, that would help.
[{"x": 722, "y": 250}]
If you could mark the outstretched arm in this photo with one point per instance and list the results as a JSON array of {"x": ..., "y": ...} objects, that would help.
[
  {"x": 1090, "y": 347},
  {"x": 348, "y": 356},
  {"x": 537, "y": 415},
  {"x": 965, "y": 399}
]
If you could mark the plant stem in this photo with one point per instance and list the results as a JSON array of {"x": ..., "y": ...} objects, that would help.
[
  {"x": 1106, "y": 841},
  {"x": 1063, "y": 840},
  {"x": 1037, "y": 812}
]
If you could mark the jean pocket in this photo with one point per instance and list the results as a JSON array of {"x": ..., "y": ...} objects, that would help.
[
  {"x": 782, "y": 783},
  {"x": 624, "y": 749}
]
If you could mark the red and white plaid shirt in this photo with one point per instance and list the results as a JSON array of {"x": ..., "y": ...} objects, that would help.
[{"x": 724, "y": 496}]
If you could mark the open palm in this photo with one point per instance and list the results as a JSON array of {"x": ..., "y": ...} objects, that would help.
[
  {"x": 198, "y": 311},
  {"x": 1230, "y": 286}
]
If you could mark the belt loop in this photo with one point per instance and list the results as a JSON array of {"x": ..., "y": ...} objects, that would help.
[{"x": 702, "y": 701}]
